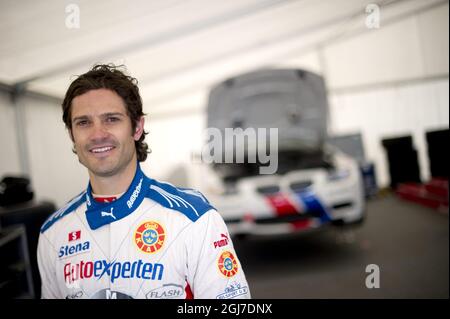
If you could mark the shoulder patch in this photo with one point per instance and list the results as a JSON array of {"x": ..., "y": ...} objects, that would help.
[
  {"x": 65, "y": 210},
  {"x": 188, "y": 201}
]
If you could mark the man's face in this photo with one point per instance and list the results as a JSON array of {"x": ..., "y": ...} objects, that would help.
[{"x": 102, "y": 132}]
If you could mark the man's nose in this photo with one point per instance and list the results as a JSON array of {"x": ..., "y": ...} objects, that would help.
[{"x": 98, "y": 132}]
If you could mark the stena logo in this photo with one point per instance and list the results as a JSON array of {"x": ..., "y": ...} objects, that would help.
[
  {"x": 75, "y": 235},
  {"x": 70, "y": 250},
  {"x": 135, "y": 194}
]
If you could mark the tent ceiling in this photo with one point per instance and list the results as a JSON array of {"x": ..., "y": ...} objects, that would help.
[{"x": 173, "y": 47}]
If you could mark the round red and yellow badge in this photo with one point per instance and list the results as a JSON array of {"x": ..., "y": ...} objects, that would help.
[
  {"x": 227, "y": 264},
  {"x": 149, "y": 237}
]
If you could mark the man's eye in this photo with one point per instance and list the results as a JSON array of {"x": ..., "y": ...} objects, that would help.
[
  {"x": 82, "y": 123},
  {"x": 112, "y": 119}
]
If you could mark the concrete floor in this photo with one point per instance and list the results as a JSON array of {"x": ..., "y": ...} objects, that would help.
[{"x": 409, "y": 243}]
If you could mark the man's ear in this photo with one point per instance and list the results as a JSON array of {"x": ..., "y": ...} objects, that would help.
[{"x": 139, "y": 129}]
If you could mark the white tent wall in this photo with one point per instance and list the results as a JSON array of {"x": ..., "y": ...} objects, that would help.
[
  {"x": 9, "y": 159},
  {"x": 52, "y": 167},
  {"x": 55, "y": 171},
  {"x": 392, "y": 82},
  {"x": 174, "y": 142}
]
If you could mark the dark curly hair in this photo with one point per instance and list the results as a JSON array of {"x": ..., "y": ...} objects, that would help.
[{"x": 109, "y": 76}]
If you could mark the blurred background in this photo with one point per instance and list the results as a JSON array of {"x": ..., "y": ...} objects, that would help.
[{"x": 385, "y": 71}]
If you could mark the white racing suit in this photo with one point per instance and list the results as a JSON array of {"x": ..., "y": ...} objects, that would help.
[{"x": 155, "y": 241}]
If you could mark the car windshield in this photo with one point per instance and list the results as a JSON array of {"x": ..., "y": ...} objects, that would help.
[{"x": 287, "y": 161}]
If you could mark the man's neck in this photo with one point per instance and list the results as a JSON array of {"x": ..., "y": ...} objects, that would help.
[{"x": 115, "y": 184}]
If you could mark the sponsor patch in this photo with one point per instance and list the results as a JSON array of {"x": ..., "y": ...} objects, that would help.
[
  {"x": 75, "y": 249},
  {"x": 222, "y": 242},
  {"x": 109, "y": 214},
  {"x": 149, "y": 237},
  {"x": 233, "y": 290},
  {"x": 135, "y": 194},
  {"x": 227, "y": 264},
  {"x": 75, "y": 295},
  {"x": 110, "y": 294},
  {"x": 114, "y": 270},
  {"x": 167, "y": 291},
  {"x": 75, "y": 235}
]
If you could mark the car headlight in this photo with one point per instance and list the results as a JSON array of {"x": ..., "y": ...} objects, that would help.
[{"x": 337, "y": 175}]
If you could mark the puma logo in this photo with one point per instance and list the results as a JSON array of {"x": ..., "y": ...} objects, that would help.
[{"x": 104, "y": 214}]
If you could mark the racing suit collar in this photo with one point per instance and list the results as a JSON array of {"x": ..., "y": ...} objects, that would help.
[{"x": 100, "y": 214}]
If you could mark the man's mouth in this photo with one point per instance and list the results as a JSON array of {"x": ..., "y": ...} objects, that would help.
[{"x": 101, "y": 150}]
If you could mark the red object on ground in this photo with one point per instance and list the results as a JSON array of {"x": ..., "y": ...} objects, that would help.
[
  {"x": 433, "y": 194},
  {"x": 438, "y": 186}
]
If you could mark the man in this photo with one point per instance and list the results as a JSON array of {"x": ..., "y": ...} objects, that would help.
[{"x": 127, "y": 235}]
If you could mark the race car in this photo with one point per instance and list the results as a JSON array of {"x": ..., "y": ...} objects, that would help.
[
  {"x": 314, "y": 184},
  {"x": 299, "y": 200}
]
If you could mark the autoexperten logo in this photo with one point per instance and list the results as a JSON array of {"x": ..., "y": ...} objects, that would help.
[{"x": 114, "y": 270}]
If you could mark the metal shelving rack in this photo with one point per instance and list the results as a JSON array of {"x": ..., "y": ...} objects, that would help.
[{"x": 16, "y": 281}]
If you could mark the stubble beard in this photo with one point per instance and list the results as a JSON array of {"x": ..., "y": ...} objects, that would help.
[{"x": 107, "y": 167}]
